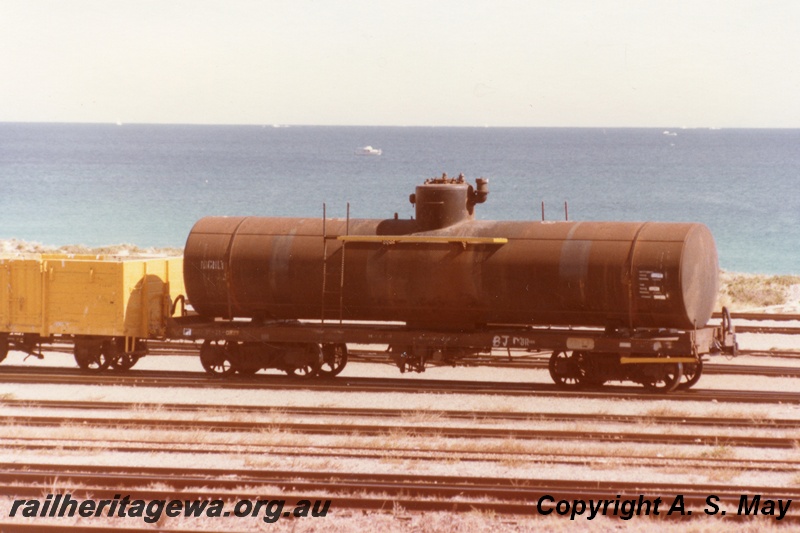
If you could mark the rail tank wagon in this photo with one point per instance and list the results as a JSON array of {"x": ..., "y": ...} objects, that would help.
[{"x": 445, "y": 270}]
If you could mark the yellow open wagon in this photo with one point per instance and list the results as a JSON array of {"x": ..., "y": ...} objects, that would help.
[{"x": 107, "y": 306}]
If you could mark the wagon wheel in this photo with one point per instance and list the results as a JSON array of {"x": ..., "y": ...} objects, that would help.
[
  {"x": 124, "y": 361},
  {"x": 89, "y": 355},
  {"x": 691, "y": 374},
  {"x": 668, "y": 381},
  {"x": 216, "y": 357},
  {"x": 565, "y": 369},
  {"x": 334, "y": 359},
  {"x": 3, "y": 347},
  {"x": 118, "y": 358},
  {"x": 311, "y": 367}
]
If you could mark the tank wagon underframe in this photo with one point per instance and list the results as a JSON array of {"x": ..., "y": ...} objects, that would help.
[
  {"x": 683, "y": 344},
  {"x": 660, "y": 360}
]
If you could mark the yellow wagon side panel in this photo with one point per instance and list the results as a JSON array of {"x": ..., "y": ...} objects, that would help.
[
  {"x": 84, "y": 297},
  {"x": 88, "y": 295},
  {"x": 21, "y": 296}
]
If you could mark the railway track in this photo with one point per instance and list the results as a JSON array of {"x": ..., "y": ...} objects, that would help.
[
  {"x": 147, "y": 378},
  {"x": 379, "y": 422},
  {"x": 129, "y": 417},
  {"x": 399, "y": 453},
  {"x": 393, "y": 414},
  {"x": 502, "y": 495},
  {"x": 113, "y": 434},
  {"x": 414, "y": 430}
]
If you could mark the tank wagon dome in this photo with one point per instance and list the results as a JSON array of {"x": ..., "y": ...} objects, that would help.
[
  {"x": 443, "y": 202},
  {"x": 444, "y": 269}
]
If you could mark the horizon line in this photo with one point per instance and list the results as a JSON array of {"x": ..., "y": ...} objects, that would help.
[{"x": 474, "y": 126}]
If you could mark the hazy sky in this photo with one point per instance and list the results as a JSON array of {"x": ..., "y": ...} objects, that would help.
[{"x": 671, "y": 63}]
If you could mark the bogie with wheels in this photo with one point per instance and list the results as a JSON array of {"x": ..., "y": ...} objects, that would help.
[
  {"x": 579, "y": 369},
  {"x": 224, "y": 358}
]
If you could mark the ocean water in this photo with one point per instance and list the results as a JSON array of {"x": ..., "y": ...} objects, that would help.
[{"x": 101, "y": 184}]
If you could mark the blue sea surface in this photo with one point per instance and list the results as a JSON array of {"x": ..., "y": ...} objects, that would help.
[{"x": 102, "y": 184}]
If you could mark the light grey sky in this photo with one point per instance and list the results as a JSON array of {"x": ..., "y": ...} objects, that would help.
[{"x": 670, "y": 63}]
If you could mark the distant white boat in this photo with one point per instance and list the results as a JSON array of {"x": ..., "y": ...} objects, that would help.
[{"x": 369, "y": 150}]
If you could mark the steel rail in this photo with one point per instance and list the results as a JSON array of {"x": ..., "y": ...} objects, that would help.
[
  {"x": 243, "y": 476},
  {"x": 768, "y": 330},
  {"x": 433, "y": 431},
  {"x": 783, "y": 317},
  {"x": 684, "y": 420},
  {"x": 416, "y": 453},
  {"x": 142, "y": 378}
]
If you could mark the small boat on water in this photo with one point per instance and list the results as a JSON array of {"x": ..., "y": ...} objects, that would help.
[{"x": 368, "y": 150}]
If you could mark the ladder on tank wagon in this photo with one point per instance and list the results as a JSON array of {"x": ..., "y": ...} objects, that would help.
[{"x": 332, "y": 278}]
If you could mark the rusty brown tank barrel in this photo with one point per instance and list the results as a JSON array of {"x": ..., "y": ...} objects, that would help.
[{"x": 457, "y": 276}]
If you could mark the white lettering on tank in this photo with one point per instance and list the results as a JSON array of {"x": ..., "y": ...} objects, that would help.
[{"x": 216, "y": 264}]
